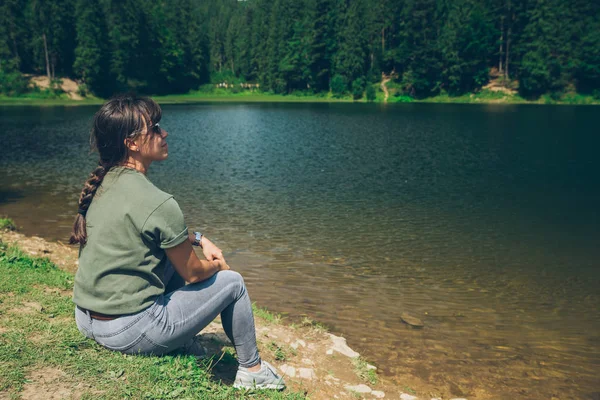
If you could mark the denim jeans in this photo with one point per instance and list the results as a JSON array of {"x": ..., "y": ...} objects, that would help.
[{"x": 178, "y": 315}]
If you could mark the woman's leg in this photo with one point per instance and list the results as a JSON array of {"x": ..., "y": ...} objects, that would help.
[{"x": 186, "y": 311}]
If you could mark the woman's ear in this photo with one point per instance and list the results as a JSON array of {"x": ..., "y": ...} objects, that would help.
[{"x": 131, "y": 145}]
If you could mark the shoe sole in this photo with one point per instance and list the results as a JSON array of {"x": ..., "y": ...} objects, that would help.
[{"x": 272, "y": 386}]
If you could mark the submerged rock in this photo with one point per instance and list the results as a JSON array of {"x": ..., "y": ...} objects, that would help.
[{"x": 412, "y": 321}]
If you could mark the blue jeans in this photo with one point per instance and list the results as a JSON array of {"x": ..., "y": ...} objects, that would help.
[{"x": 177, "y": 316}]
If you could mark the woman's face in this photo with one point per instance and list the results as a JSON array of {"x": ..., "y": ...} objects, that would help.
[{"x": 152, "y": 144}]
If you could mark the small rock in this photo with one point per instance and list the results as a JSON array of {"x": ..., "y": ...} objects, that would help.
[
  {"x": 362, "y": 388},
  {"x": 329, "y": 352},
  {"x": 339, "y": 345},
  {"x": 307, "y": 373},
  {"x": 412, "y": 321},
  {"x": 378, "y": 393},
  {"x": 288, "y": 370},
  {"x": 406, "y": 396},
  {"x": 369, "y": 366},
  {"x": 298, "y": 343},
  {"x": 307, "y": 361}
]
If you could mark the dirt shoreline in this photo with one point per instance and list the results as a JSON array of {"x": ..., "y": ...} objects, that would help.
[{"x": 316, "y": 362}]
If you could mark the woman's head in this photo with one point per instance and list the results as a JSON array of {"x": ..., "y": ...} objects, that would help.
[
  {"x": 122, "y": 122},
  {"x": 125, "y": 131}
]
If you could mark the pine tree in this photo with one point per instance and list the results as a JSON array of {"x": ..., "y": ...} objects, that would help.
[{"x": 91, "y": 56}]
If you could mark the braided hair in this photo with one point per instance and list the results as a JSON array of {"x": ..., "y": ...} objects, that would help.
[{"x": 122, "y": 117}]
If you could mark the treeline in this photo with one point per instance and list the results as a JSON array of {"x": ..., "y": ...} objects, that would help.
[{"x": 427, "y": 46}]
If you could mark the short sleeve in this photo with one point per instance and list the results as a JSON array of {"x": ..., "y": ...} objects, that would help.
[{"x": 165, "y": 226}]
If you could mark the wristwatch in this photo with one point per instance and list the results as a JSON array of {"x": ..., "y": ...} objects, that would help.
[{"x": 197, "y": 240}]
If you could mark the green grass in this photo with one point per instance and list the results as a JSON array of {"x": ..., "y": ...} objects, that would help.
[
  {"x": 361, "y": 367},
  {"x": 7, "y": 223},
  {"x": 246, "y": 96},
  {"x": 266, "y": 315},
  {"x": 38, "y": 333},
  {"x": 316, "y": 326},
  {"x": 281, "y": 352}
]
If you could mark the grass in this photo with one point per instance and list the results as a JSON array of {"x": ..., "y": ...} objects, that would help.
[
  {"x": 281, "y": 353},
  {"x": 7, "y": 223},
  {"x": 266, "y": 315},
  {"x": 246, "y": 96},
  {"x": 361, "y": 367},
  {"x": 316, "y": 326},
  {"x": 38, "y": 333}
]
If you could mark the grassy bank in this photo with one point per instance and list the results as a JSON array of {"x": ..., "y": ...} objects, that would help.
[
  {"x": 221, "y": 95},
  {"x": 42, "y": 352}
]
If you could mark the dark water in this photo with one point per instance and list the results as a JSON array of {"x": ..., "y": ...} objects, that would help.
[{"x": 480, "y": 220}]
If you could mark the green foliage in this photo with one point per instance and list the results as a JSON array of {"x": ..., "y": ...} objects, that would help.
[
  {"x": 339, "y": 86},
  {"x": 358, "y": 88},
  {"x": 364, "y": 371},
  {"x": 7, "y": 223},
  {"x": 429, "y": 46},
  {"x": 12, "y": 83},
  {"x": 371, "y": 93}
]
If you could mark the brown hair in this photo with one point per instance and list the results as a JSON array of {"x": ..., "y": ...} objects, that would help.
[{"x": 121, "y": 117}]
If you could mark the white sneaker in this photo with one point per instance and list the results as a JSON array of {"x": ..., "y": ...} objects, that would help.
[{"x": 266, "y": 378}]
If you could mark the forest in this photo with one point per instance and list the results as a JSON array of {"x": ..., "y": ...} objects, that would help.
[{"x": 426, "y": 47}]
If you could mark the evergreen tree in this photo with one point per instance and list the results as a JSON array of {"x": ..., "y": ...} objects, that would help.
[
  {"x": 91, "y": 56},
  {"x": 465, "y": 42}
]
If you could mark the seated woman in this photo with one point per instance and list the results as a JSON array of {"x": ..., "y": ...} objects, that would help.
[{"x": 136, "y": 254}]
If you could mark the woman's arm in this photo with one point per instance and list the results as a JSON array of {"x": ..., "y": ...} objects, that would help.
[
  {"x": 210, "y": 251},
  {"x": 190, "y": 267}
]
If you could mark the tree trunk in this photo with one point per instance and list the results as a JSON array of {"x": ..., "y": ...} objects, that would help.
[
  {"x": 382, "y": 40},
  {"x": 510, "y": 22},
  {"x": 507, "y": 54},
  {"x": 501, "y": 53},
  {"x": 47, "y": 58}
]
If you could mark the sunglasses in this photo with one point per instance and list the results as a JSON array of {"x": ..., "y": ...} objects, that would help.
[{"x": 156, "y": 129}]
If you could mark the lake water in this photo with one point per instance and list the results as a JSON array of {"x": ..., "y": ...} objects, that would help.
[{"x": 480, "y": 220}]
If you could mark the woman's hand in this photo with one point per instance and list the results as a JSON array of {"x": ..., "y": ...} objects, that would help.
[
  {"x": 211, "y": 252},
  {"x": 221, "y": 265}
]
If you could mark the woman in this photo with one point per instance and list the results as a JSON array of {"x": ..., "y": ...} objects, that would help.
[{"x": 136, "y": 254}]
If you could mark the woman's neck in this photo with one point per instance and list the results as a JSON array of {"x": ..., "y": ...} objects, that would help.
[{"x": 136, "y": 164}]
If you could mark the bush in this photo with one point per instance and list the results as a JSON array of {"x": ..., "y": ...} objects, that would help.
[
  {"x": 338, "y": 85},
  {"x": 82, "y": 90},
  {"x": 371, "y": 93},
  {"x": 358, "y": 88},
  {"x": 12, "y": 83}
]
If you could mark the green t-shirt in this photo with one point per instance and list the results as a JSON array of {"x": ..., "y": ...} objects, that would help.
[{"x": 129, "y": 223}]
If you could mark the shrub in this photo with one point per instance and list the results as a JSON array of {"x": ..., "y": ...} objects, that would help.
[
  {"x": 12, "y": 83},
  {"x": 358, "y": 88},
  {"x": 371, "y": 93},
  {"x": 338, "y": 85}
]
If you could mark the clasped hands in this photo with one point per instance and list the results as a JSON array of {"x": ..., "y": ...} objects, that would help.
[{"x": 212, "y": 253}]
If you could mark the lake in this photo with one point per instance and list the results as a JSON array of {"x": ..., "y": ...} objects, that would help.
[{"x": 481, "y": 220}]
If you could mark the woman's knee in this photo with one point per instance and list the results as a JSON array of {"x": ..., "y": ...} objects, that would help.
[{"x": 233, "y": 278}]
